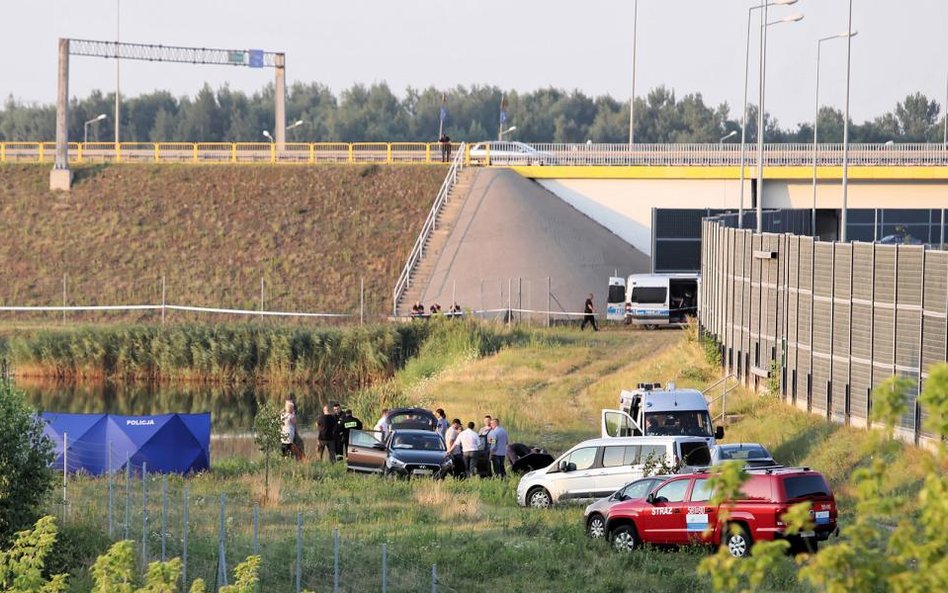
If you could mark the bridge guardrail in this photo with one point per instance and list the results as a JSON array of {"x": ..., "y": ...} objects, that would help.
[{"x": 727, "y": 155}]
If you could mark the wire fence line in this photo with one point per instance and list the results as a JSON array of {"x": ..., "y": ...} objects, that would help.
[{"x": 212, "y": 533}]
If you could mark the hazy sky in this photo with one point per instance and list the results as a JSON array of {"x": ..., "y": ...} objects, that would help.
[{"x": 688, "y": 45}]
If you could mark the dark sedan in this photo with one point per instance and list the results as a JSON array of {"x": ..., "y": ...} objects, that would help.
[
  {"x": 595, "y": 515},
  {"x": 404, "y": 453}
]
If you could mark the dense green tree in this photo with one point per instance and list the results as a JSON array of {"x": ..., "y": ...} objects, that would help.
[
  {"x": 25, "y": 454},
  {"x": 375, "y": 113}
]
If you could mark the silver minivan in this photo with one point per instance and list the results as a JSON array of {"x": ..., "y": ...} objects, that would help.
[{"x": 598, "y": 467}]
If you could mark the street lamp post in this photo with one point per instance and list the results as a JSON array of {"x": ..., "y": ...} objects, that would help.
[
  {"x": 85, "y": 127},
  {"x": 635, "y": 27},
  {"x": 267, "y": 135},
  {"x": 507, "y": 131},
  {"x": 750, "y": 11},
  {"x": 730, "y": 134},
  {"x": 295, "y": 124},
  {"x": 792, "y": 18},
  {"x": 944, "y": 110},
  {"x": 849, "y": 47},
  {"x": 816, "y": 119}
]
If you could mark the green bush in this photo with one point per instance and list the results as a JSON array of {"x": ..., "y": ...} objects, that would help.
[{"x": 25, "y": 455}]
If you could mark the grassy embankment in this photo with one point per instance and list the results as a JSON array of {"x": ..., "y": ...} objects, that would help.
[
  {"x": 213, "y": 232},
  {"x": 548, "y": 388}
]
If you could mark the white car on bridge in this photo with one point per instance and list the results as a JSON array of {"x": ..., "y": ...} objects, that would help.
[{"x": 503, "y": 152}]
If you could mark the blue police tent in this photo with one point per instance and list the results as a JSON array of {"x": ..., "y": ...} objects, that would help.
[{"x": 168, "y": 443}]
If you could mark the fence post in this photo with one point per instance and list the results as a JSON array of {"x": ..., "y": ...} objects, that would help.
[
  {"x": 128, "y": 479},
  {"x": 65, "y": 473},
  {"x": 221, "y": 550},
  {"x": 111, "y": 493},
  {"x": 163, "y": 301},
  {"x": 299, "y": 550},
  {"x": 261, "y": 299},
  {"x": 256, "y": 528},
  {"x": 335, "y": 561},
  {"x": 164, "y": 513},
  {"x": 549, "y": 296},
  {"x": 384, "y": 568},
  {"x": 64, "y": 299},
  {"x": 434, "y": 578},
  {"x": 144, "y": 516},
  {"x": 509, "y": 300},
  {"x": 184, "y": 545}
]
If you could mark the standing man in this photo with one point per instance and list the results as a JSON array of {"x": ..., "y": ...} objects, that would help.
[
  {"x": 484, "y": 446},
  {"x": 287, "y": 427},
  {"x": 589, "y": 314},
  {"x": 445, "y": 148},
  {"x": 470, "y": 445},
  {"x": 497, "y": 439},
  {"x": 349, "y": 423},
  {"x": 337, "y": 433},
  {"x": 453, "y": 446},
  {"x": 326, "y": 435},
  {"x": 382, "y": 425}
]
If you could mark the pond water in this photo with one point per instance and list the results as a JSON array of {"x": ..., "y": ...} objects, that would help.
[{"x": 232, "y": 407}]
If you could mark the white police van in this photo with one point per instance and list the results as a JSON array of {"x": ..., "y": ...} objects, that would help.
[
  {"x": 649, "y": 410},
  {"x": 653, "y": 300}
]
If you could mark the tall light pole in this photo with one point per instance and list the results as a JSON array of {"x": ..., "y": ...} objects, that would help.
[
  {"x": 268, "y": 136},
  {"x": 944, "y": 110},
  {"x": 849, "y": 51},
  {"x": 730, "y": 134},
  {"x": 118, "y": 31},
  {"x": 635, "y": 27},
  {"x": 792, "y": 18},
  {"x": 85, "y": 127},
  {"x": 816, "y": 118},
  {"x": 750, "y": 11}
]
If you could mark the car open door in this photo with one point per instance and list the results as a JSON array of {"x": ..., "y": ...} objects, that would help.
[
  {"x": 616, "y": 423},
  {"x": 367, "y": 452}
]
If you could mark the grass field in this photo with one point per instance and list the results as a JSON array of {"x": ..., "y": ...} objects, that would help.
[
  {"x": 548, "y": 390},
  {"x": 213, "y": 232}
]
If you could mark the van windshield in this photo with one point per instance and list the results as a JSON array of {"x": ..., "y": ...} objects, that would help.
[
  {"x": 648, "y": 295},
  {"x": 684, "y": 422}
]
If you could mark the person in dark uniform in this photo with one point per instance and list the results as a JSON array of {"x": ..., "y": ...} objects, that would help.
[
  {"x": 326, "y": 435},
  {"x": 337, "y": 440},
  {"x": 589, "y": 314},
  {"x": 445, "y": 148},
  {"x": 346, "y": 424}
]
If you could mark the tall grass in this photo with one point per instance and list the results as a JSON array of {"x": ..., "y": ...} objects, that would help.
[{"x": 352, "y": 357}]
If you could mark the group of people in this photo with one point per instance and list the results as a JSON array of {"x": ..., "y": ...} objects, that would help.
[
  {"x": 466, "y": 446},
  {"x": 418, "y": 310}
]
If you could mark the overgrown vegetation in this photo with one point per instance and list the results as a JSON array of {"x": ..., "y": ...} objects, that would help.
[
  {"x": 548, "y": 387},
  {"x": 25, "y": 455},
  {"x": 212, "y": 233}
]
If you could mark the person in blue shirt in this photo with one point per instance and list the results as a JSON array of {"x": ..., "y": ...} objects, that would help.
[
  {"x": 442, "y": 426},
  {"x": 497, "y": 440}
]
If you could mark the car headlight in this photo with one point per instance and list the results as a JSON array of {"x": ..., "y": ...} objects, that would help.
[{"x": 395, "y": 462}]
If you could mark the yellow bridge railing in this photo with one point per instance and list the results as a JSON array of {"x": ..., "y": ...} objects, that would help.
[{"x": 228, "y": 152}]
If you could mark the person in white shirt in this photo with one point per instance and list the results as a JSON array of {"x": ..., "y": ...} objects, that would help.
[
  {"x": 382, "y": 425},
  {"x": 453, "y": 448},
  {"x": 288, "y": 427},
  {"x": 470, "y": 445}
]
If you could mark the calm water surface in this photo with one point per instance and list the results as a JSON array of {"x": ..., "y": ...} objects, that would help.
[{"x": 232, "y": 408}]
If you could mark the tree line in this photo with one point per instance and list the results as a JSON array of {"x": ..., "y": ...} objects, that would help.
[{"x": 374, "y": 113}]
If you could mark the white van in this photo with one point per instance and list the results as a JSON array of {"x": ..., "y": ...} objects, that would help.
[
  {"x": 598, "y": 467},
  {"x": 649, "y": 410},
  {"x": 661, "y": 299}
]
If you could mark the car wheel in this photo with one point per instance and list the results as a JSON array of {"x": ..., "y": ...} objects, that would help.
[
  {"x": 738, "y": 541},
  {"x": 650, "y": 326},
  {"x": 596, "y": 526},
  {"x": 624, "y": 538},
  {"x": 802, "y": 545},
  {"x": 539, "y": 498}
]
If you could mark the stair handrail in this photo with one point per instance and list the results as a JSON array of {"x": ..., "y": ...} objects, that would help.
[
  {"x": 450, "y": 180},
  {"x": 725, "y": 389}
]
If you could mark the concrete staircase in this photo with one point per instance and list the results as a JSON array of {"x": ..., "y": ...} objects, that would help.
[{"x": 436, "y": 242}]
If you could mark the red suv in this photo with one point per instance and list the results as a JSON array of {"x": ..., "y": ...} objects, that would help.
[{"x": 678, "y": 512}]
